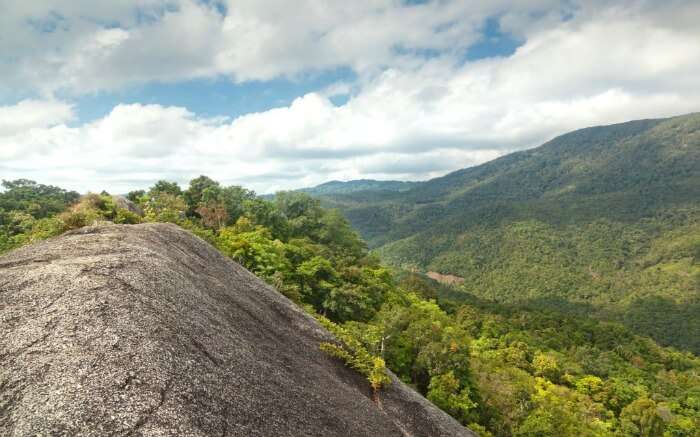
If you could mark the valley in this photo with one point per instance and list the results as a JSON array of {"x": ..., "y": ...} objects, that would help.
[{"x": 604, "y": 221}]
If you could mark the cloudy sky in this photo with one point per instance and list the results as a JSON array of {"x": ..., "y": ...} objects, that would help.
[{"x": 277, "y": 94}]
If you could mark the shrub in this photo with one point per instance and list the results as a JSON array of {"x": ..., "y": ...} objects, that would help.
[
  {"x": 78, "y": 218},
  {"x": 355, "y": 355},
  {"x": 124, "y": 216}
]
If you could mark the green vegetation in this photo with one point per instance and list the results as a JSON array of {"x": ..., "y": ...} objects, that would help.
[
  {"x": 338, "y": 187},
  {"x": 27, "y": 212},
  {"x": 501, "y": 368},
  {"x": 30, "y": 212},
  {"x": 351, "y": 350},
  {"x": 601, "y": 222}
]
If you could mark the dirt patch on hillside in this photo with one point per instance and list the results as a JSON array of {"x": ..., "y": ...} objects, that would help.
[{"x": 446, "y": 279}]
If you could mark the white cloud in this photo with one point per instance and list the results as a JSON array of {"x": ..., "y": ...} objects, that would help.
[
  {"x": 83, "y": 46},
  {"x": 30, "y": 118},
  {"x": 29, "y": 114},
  {"x": 138, "y": 131},
  {"x": 406, "y": 117}
]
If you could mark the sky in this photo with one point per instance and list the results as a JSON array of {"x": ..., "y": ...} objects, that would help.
[{"x": 279, "y": 94}]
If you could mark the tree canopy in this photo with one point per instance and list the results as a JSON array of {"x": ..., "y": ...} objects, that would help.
[{"x": 498, "y": 367}]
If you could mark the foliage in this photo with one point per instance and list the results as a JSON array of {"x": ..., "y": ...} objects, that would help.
[
  {"x": 362, "y": 185},
  {"x": 255, "y": 249},
  {"x": 642, "y": 417},
  {"x": 193, "y": 196},
  {"x": 37, "y": 200},
  {"x": 356, "y": 356},
  {"x": 161, "y": 186},
  {"x": 500, "y": 365},
  {"x": 30, "y": 212},
  {"x": 449, "y": 394},
  {"x": 601, "y": 222},
  {"x": 163, "y": 207},
  {"x": 126, "y": 217}
]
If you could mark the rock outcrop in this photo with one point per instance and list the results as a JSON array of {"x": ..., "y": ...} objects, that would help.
[
  {"x": 148, "y": 330},
  {"x": 124, "y": 203}
]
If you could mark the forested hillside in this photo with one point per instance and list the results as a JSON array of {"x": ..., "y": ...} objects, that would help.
[
  {"x": 500, "y": 369},
  {"x": 604, "y": 221},
  {"x": 338, "y": 187}
]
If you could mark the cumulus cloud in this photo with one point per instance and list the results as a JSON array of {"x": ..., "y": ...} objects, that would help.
[
  {"x": 408, "y": 116},
  {"x": 29, "y": 114},
  {"x": 84, "y": 47}
]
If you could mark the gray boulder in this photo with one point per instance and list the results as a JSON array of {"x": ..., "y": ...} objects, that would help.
[
  {"x": 148, "y": 330},
  {"x": 124, "y": 203}
]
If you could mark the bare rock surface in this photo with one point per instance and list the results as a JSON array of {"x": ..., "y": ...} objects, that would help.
[
  {"x": 124, "y": 203},
  {"x": 148, "y": 330}
]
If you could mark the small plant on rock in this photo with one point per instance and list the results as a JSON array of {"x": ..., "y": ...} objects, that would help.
[{"x": 355, "y": 355}]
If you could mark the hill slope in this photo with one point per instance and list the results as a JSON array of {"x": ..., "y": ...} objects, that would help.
[
  {"x": 602, "y": 221},
  {"x": 339, "y": 187},
  {"x": 148, "y": 329}
]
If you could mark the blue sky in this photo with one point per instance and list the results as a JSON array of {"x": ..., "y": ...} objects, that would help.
[
  {"x": 211, "y": 97},
  {"x": 220, "y": 96},
  {"x": 273, "y": 94}
]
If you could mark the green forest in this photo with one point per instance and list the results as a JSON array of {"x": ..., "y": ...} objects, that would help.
[
  {"x": 601, "y": 222},
  {"x": 501, "y": 367}
]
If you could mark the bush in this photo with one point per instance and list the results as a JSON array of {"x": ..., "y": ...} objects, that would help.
[
  {"x": 78, "y": 218},
  {"x": 124, "y": 216},
  {"x": 355, "y": 355}
]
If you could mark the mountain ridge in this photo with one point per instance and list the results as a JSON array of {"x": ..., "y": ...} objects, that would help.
[
  {"x": 358, "y": 185},
  {"x": 575, "y": 220}
]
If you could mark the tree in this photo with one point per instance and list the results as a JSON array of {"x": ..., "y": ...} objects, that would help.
[
  {"x": 641, "y": 418},
  {"x": 546, "y": 365},
  {"x": 359, "y": 294},
  {"x": 351, "y": 350},
  {"x": 453, "y": 397},
  {"x": 223, "y": 205},
  {"x": 165, "y": 207},
  {"x": 335, "y": 231},
  {"x": 35, "y": 199},
  {"x": 264, "y": 213},
  {"x": 422, "y": 341},
  {"x": 255, "y": 249},
  {"x": 317, "y": 278},
  {"x": 560, "y": 412},
  {"x": 233, "y": 199},
  {"x": 136, "y": 195},
  {"x": 165, "y": 187},
  {"x": 213, "y": 214},
  {"x": 193, "y": 194},
  {"x": 302, "y": 211},
  {"x": 590, "y": 385}
]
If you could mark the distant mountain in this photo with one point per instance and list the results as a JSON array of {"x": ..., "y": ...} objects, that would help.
[
  {"x": 603, "y": 221},
  {"x": 360, "y": 185}
]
